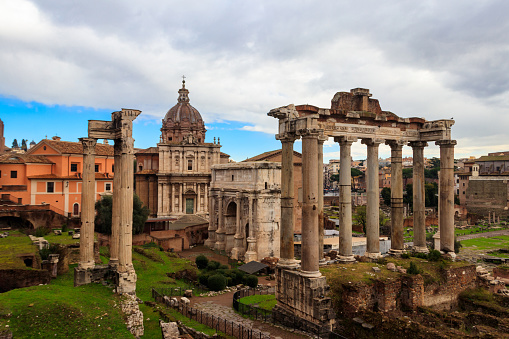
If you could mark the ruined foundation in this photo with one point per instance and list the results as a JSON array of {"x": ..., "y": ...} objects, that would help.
[{"x": 304, "y": 298}]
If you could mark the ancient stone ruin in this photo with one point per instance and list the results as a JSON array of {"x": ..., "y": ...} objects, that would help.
[{"x": 301, "y": 289}]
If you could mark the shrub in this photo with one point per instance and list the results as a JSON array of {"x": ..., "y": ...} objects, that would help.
[
  {"x": 405, "y": 255},
  {"x": 251, "y": 280},
  {"x": 216, "y": 282},
  {"x": 457, "y": 246},
  {"x": 224, "y": 267},
  {"x": 413, "y": 269},
  {"x": 201, "y": 261},
  {"x": 434, "y": 255},
  {"x": 203, "y": 279},
  {"x": 213, "y": 265},
  {"x": 65, "y": 228},
  {"x": 421, "y": 255},
  {"x": 42, "y": 231}
]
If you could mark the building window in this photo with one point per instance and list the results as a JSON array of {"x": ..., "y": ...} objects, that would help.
[
  {"x": 14, "y": 174},
  {"x": 233, "y": 177},
  {"x": 463, "y": 184},
  {"x": 112, "y": 168},
  {"x": 107, "y": 187},
  {"x": 463, "y": 192},
  {"x": 140, "y": 168},
  {"x": 74, "y": 167},
  {"x": 189, "y": 165},
  {"x": 76, "y": 209},
  {"x": 50, "y": 187},
  {"x": 96, "y": 168}
]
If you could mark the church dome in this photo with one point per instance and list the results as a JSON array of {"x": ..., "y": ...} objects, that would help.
[{"x": 182, "y": 120}]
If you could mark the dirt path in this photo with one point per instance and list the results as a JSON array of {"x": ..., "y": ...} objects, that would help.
[{"x": 482, "y": 235}]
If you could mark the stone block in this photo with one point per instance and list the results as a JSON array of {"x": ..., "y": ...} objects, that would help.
[
  {"x": 376, "y": 269},
  {"x": 185, "y": 301},
  {"x": 188, "y": 293},
  {"x": 169, "y": 330},
  {"x": 391, "y": 267}
]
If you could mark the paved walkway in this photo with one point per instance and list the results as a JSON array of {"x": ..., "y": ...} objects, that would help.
[{"x": 482, "y": 235}]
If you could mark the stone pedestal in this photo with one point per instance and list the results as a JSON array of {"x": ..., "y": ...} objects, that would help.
[
  {"x": 126, "y": 281},
  {"x": 302, "y": 302}
]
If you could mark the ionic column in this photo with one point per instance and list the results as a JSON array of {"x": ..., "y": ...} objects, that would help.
[
  {"x": 181, "y": 198},
  {"x": 419, "y": 197},
  {"x": 397, "y": 242},
  {"x": 321, "y": 140},
  {"x": 373, "y": 207},
  {"x": 238, "y": 249},
  {"x": 126, "y": 203},
  {"x": 251, "y": 238},
  {"x": 211, "y": 240},
  {"x": 221, "y": 232},
  {"x": 447, "y": 196},
  {"x": 287, "y": 195},
  {"x": 310, "y": 240},
  {"x": 116, "y": 212},
  {"x": 87, "y": 205},
  {"x": 345, "y": 200}
]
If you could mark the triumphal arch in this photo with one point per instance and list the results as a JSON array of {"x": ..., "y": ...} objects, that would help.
[
  {"x": 353, "y": 116},
  {"x": 120, "y": 267}
]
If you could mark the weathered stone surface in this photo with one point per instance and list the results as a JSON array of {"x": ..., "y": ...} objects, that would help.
[
  {"x": 131, "y": 310},
  {"x": 188, "y": 293},
  {"x": 169, "y": 330},
  {"x": 391, "y": 267},
  {"x": 376, "y": 269}
]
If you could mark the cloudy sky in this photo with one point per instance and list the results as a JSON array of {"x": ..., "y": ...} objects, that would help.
[{"x": 64, "y": 62}]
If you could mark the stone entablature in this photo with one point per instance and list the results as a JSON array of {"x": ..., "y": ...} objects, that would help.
[{"x": 245, "y": 209}]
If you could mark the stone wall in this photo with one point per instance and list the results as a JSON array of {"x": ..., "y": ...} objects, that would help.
[
  {"x": 407, "y": 292},
  {"x": 18, "y": 278},
  {"x": 486, "y": 195}
]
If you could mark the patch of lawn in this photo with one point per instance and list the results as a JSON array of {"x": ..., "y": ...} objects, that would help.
[
  {"x": 151, "y": 322},
  {"x": 63, "y": 239},
  {"x": 266, "y": 302},
  {"x": 60, "y": 310},
  {"x": 15, "y": 244},
  {"x": 486, "y": 243}
]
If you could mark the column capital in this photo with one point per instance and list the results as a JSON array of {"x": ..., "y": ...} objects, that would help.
[
  {"x": 418, "y": 144},
  {"x": 372, "y": 141},
  {"x": 345, "y": 140},
  {"x": 322, "y": 138},
  {"x": 395, "y": 143},
  {"x": 309, "y": 133},
  {"x": 126, "y": 145},
  {"x": 287, "y": 137},
  {"x": 88, "y": 145},
  {"x": 446, "y": 143}
]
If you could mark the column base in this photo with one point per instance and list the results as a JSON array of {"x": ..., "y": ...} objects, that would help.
[
  {"x": 310, "y": 274},
  {"x": 396, "y": 253},
  {"x": 322, "y": 262},
  {"x": 250, "y": 256},
  {"x": 209, "y": 243},
  {"x": 113, "y": 263},
  {"x": 449, "y": 255},
  {"x": 237, "y": 253},
  {"x": 346, "y": 259},
  {"x": 126, "y": 282},
  {"x": 420, "y": 249},
  {"x": 373, "y": 255},
  {"x": 220, "y": 246},
  {"x": 288, "y": 264},
  {"x": 86, "y": 265}
]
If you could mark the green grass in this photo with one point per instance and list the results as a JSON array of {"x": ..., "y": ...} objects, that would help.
[
  {"x": 486, "y": 243},
  {"x": 60, "y": 310},
  {"x": 152, "y": 274},
  {"x": 15, "y": 244},
  {"x": 63, "y": 239},
  {"x": 266, "y": 302}
]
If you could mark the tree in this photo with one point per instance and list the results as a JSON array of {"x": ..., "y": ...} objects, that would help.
[
  {"x": 360, "y": 217},
  {"x": 14, "y": 143},
  {"x": 104, "y": 209},
  {"x": 24, "y": 144},
  {"x": 408, "y": 198},
  {"x": 408, "y": 173},
  {"x": 431, "y": 192},
  {"x": 386, "y": 195}
]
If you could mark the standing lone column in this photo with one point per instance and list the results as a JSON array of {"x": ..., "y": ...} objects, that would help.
[
  {"x": 116, "y": 212},
  {"x": 310, "y": 241},
  {"x": 238, "y": 250},
  {"x": 419, "y": 199},
  {"x": 87, "y": 205},
  {"x": 373, "y": 207},
  {"x": 211, "y": 240},
  {"x": 251, "y": 253},
  {"x": 447, "y": 196},
  {"x": 321, "y": 140},
  {"x": 126, "y": 203},
  {"x": 397, "y": 243},
  {"x": 345, "y": 200},
  {"x": 287, "y": 195}
]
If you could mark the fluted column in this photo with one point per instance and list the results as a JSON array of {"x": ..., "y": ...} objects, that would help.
[
  {"x": 126, "y": 203},
  {"x": 221, "y": 232},
  {"x": 397, "y": 242},
  {"x": 181, "y": 198},
  {"x": 345, "y": 200},
  {"x": 321, "y": 140},
  {"x": 419, "y": 199},
  {"x": 447, "y": 196},
  {"x": 238, "y": 249},
  {"x": 87, "y": 205},
  {"x": 116, "y": 212},
  {"x": 211, "y": 240},
  {"x": 310, "y": 241},
  {"x": 373, "y": 207},
  {"x": 251, "y": 238},
  {"x": 287, "y": 197}
]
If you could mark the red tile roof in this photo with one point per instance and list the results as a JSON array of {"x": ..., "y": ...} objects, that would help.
[
  {"x": 69, "y": 147},
  {"x": 16, "y": 158}
]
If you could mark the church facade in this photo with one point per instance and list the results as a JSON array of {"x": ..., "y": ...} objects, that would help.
[{"x": 173, "y": 179}]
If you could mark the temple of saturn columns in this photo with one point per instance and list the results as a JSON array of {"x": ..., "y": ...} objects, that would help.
[
  {"x": 120, "y": 267},
  {"x": 353, "y": 116}
]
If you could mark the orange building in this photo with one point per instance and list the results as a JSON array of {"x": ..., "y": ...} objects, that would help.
[{"x": 51, "y": 173}]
